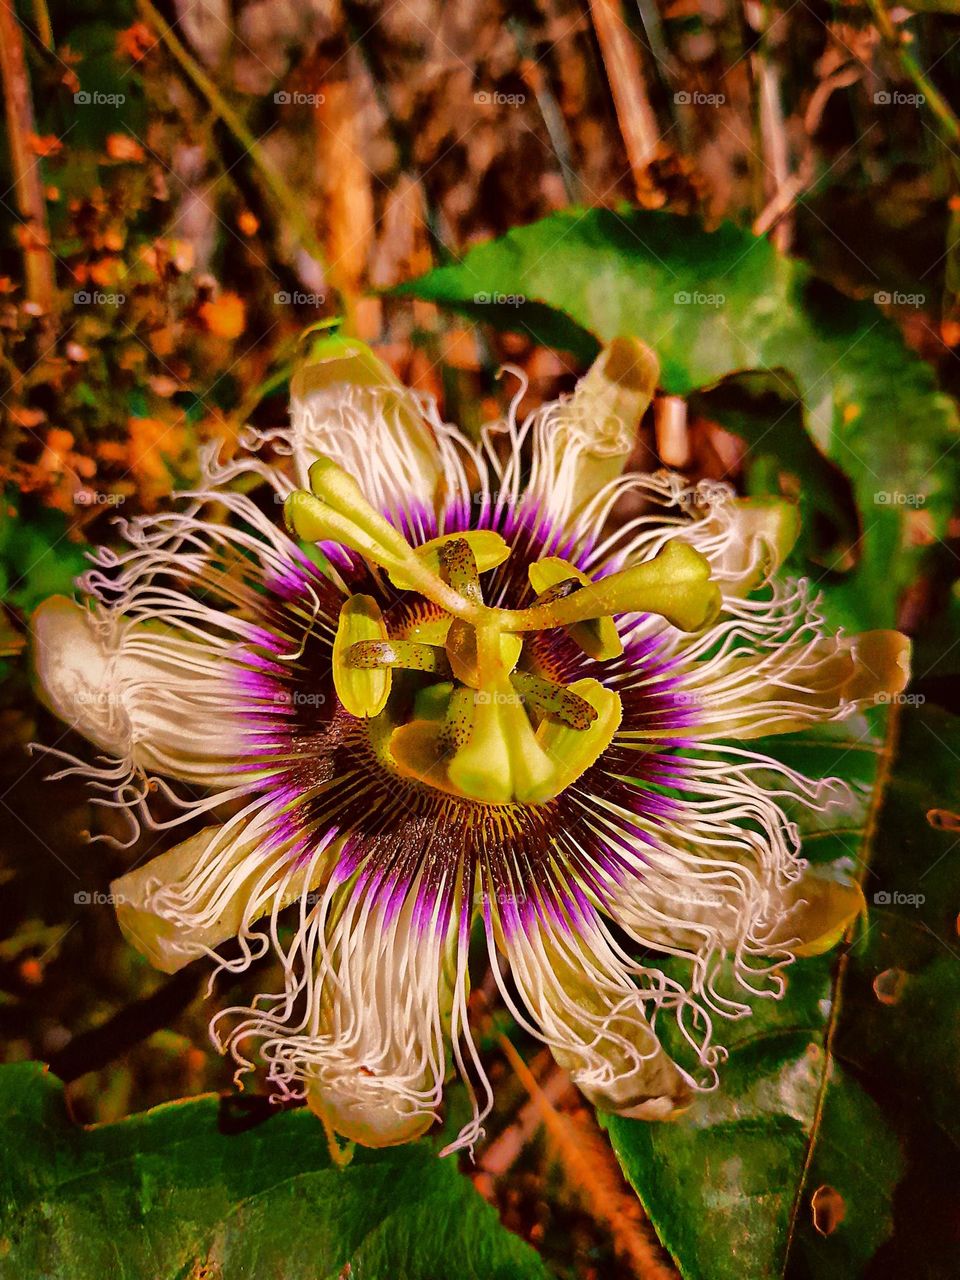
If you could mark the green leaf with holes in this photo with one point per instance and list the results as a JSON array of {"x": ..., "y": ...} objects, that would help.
[
  {"x": 831, "y": 1148},
  {"x": 166, "y": 1193}
]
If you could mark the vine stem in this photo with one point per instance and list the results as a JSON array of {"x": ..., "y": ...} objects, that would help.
[
  {"x": 287, "y": 199},
  {"x": 946, "y": 117},
  {"x": 633, "y": 1234}
]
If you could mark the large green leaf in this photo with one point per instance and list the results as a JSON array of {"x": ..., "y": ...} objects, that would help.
[
  {"x": 849, "y": 1084},
  {"x": 167, "y": 1193}
]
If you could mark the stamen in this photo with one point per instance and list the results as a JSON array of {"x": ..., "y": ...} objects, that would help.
[
  {"x": 409, "y": 655},
  {"x": 553, "y": 699},
  {"x": 554, "y": 579},
  {"x": 363, "y": 691}
]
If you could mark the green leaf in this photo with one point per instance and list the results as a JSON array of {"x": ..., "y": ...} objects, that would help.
[
  {"x": 166, "y": 1193},
  {"x": 712, "y": 304},
  {"x": 850, "y": 1082},
  {"x": 37, "y": 559}
]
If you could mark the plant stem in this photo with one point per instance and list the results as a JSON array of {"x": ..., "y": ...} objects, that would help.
[
  {"x": 946, "y": 117},
  {"x": 638, "y": 122},
  {"x": 289, "y": 202},
  {"x": 44, "y": 25},
  {"x": 38, "y": 267}
]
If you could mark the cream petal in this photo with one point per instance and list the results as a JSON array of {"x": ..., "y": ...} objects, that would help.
[
  {"x": 210, "y": 888},
  {"x": 683, "y": 912},
  {"x": 384, "y": 1009},
  {"x": 74, "y": 674},
  {"x": 587, "y": 1008},
  {"x": 347, "y": 405},
  {"x": 794, "y": 685},
  {"x": 161, "y": 702},
  {"x": 757, "y": 535},
  {"x": 582, "y": 443}
]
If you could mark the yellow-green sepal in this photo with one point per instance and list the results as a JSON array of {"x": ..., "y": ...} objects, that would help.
[{"x": 821, "y": 908}]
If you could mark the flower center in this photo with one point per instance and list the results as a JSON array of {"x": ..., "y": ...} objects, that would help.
[{"x": 456, "y": 702}]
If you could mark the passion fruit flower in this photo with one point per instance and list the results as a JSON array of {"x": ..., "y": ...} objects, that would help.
[{"x": 458, "y": 697}]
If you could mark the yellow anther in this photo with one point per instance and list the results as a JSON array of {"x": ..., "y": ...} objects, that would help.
[
  {"x": 363, "y": 691},
  {"x": 599, "y": 637}
]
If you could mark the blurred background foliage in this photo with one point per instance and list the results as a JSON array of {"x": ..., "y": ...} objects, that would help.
[{"x": 186, "y": 186}]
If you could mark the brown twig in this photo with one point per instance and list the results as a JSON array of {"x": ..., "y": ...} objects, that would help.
[
  {"x": 638, "y": 123},
  {"x": 93, "y": 1049},
  {"x": 39, "y": 277},
  {"x": 773, "y": 134},
  {"x": 589, "y": 1166}
]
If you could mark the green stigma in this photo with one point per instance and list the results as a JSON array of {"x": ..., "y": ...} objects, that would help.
[{"x": 457, "y": 703}]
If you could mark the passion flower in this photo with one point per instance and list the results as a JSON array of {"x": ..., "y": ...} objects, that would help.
[{"x": 457, "y": 693}]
